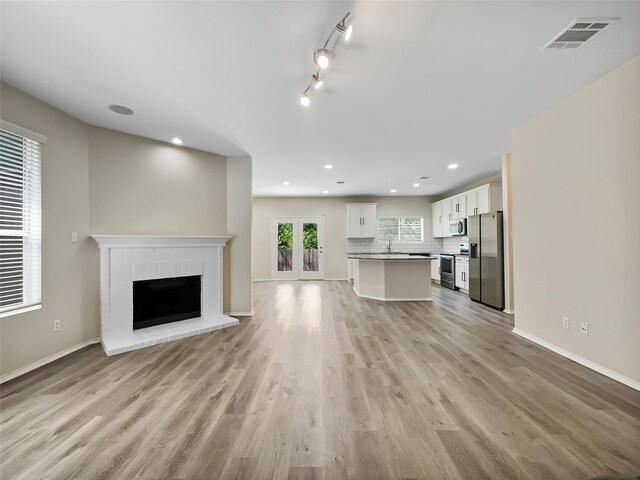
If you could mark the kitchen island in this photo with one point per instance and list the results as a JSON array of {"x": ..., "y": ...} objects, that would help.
[{"x": 392, "y": 277}]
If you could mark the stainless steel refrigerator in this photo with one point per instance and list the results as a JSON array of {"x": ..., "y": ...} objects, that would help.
[{"x": 486, "y": 260}]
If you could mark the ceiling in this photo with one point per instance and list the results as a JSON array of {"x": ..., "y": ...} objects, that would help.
[{"x": 420, "y": 85}]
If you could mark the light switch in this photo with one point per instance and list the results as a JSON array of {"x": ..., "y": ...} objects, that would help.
[{"x": 74, "y": 237}]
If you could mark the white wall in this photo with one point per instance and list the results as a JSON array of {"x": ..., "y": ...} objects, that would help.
[
  {"x": 576, "y": 234},
  {"x": 335, "y": 212}
]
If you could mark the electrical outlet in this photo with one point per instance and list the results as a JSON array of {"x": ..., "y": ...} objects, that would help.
[
  {"x": 74, "y": 237},
  {"x": 565, "y": 322},
  {"x": 56, "y": 325},
  {"x": 584, "y": 328}
]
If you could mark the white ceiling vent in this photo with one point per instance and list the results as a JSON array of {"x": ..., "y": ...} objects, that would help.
[{"x": 579, "y": 31}]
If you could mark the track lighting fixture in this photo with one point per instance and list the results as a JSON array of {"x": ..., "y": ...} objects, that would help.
[
  {"x": 322, "y": 57},
  {"x": 317, "y": 83}
]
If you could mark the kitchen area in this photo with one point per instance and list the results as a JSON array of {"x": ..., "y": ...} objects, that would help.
[{"x": 464, "y": 252}]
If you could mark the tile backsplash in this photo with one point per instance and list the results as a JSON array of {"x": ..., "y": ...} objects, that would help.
[
  {"x": 434, "y": 245},
  {"x": 452, "y": 244},
  {"x": 368, "y": 245}
]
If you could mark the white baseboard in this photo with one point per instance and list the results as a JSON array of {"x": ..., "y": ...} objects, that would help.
[
  {"x": 44, "y": 361},
  {"x": 510, "y": 312},
  {"x": 295, "y": 279},
  {"x": 337, "y": 279},
  {"x": 578, "y": 359},
  {"x": 240, "y": 314},
  {"x": 373, "y": 297}
]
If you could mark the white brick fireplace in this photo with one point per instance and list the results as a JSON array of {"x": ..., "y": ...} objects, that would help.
[{"x": 128, "y": 258}]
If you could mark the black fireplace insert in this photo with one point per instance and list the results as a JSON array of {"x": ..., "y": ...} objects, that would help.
[{"x": 166, "y": 300}]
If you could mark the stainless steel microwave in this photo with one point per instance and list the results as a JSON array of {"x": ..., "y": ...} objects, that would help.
[{"x": 458, "y": 227}]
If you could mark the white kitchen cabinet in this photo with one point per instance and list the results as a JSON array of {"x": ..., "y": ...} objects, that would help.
[
  {"x": 441, "y": 218},
  {"x": 436, "y": 220},
  {"x": 361, "y": 220},
  {"x": 435, "y": 269},
  {"x": 462, "y": 273},
  {"x": 459, "y": 207},
  {"x": 446, "y": 217},
  {"x": 484, "y": 199}
]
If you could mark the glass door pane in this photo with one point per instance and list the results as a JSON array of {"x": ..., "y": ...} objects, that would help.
[
  {"x": 284, "y": 249},
  {"x": 311, "y": 239},
  {"x": 310, "y": 247}
]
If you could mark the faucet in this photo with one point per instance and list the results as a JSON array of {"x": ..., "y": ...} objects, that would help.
[{"x": 389, "y": 247}]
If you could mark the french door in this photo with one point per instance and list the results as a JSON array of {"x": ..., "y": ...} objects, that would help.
[{"x": 297, "y": 248}]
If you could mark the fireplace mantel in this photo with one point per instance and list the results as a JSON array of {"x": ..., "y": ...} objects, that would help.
[
  {"x": 131, "y": 241},
  {"x": 128, "y": 258}
]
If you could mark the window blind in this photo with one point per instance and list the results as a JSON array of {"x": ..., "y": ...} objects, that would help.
[{"x": 20, "y": 221}]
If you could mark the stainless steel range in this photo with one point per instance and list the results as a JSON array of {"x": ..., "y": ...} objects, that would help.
[{"x": 448, "y": 271}]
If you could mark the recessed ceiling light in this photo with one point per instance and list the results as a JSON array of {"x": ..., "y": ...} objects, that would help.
[
  {"x": 176, "y": 141},
  {"x": 325, "y": 191},
  {"x": 416, "y": 184},
  {"x": 328, "y": 166},
  {"x": 121, "y": 109},
  {"x": 393, "y": 190},
  {"x": 286, "y": 183},
  {"x": 453, "y": 165}
]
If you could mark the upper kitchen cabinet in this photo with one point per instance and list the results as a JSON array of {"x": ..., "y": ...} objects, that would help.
[
  {"x": 484, "y": 199},
  {"x": 446, "y": 216},
  {"x": 441, "y": 216},
  {"x": 459, "y": 207},
  {"x": 436, "y": 219},
  {"x": 361, "y": 220}
]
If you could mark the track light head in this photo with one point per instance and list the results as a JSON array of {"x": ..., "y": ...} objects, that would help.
[
  {"x": 305, "y": 101},
  {"x": 315, "y": 80},
  {"x": 321, "y": 57},
  {"x": 344, "y": 30}
]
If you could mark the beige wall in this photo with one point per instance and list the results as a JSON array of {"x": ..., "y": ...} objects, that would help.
[
  {"x": 140, "y": 186},
  {"x": 335, "y": 212},
  {"x": 575, "y": 171},
  {"x": 239, "y": 299},
  {"x": 69, "y": 270},
  {"x": 99, "y": 181}
]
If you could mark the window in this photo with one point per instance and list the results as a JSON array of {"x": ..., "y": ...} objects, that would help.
[
  {"x": 20, "y": 226},
  {"x": 400, "y": 229}
]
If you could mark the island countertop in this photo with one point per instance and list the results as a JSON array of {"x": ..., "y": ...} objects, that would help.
[{"x": 391, "y": 256}]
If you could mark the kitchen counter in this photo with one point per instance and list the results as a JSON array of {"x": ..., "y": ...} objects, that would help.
[
  {"x": 392, "y": 277},
  {"x": 388, "y": 256}
]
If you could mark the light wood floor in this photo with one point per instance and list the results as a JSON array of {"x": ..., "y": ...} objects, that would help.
[{"x": 322, "y": 384}]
